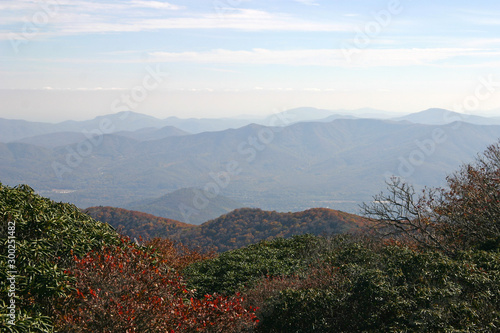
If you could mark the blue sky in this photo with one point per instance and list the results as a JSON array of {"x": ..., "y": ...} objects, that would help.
[{"x": 73, "y": 59}]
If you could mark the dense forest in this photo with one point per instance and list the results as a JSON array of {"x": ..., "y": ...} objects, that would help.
[
  {"x": 234, "y": 230},
  {"x": 430, "y": 261},
  {"x": 136, "y": 224}
]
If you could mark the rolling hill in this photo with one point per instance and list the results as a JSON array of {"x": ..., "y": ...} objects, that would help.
[
  {"x": 136, "y": 224},
  {"x": 236, "y": 229},
  {"x": 246, "y": 226}
]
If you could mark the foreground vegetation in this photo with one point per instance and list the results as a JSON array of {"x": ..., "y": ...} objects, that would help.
[
  {"x": 74, "y": 274},
  {"x": 348, "y": 284},
  {"x": 432, "y": 263}
]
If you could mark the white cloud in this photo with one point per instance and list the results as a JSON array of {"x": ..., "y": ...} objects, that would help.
[
  {"x": 324, "y": 57},
  {"x": 431, "y": 57},
  {"x": 18, "y": 5},
  {"x": 84, "y": 5},
  {"x": 241, "y": 19},
  {"x": 155, "y": 5},
  {"x": 81, "y": 17},
  {"x": 308, "y": 2}
]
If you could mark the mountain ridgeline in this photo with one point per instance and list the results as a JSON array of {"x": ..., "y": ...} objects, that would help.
[
  {"x": 296, "y": 164},
  {"x": 236, "y": 229},
  {"x": 136, "y": 224}
]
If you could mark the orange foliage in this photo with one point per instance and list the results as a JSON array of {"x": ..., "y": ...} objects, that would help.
[
  {"x": 246, "y": 226},
  {"x": 136, "y": 224},
  {"x": 176, "y": 254}
]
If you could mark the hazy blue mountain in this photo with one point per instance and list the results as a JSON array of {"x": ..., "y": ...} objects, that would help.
[
  {"x": 306, "y": 114},
  {"x": 152, "y": 133},
  {"x": 309, "y": 114},
  {"x": 145, "y": 125},
  {"x": 441, "y": 117},
  {"x": 369, "y": 113},
  {"x": 53, "y": 140},
  {"x": 335, "y": 117},
  {"x": 15, "y": 130},
  {"x": 111, "y": 123},
  {"x": 199, "y": 125},
  {"x": 23, "y": 163},
  {"x": 337, "y": 164},
  {"x": 128, "y": 121},
  {"x": 58, "y": 139},
  {"x": 11, "y": 130},
  {"x": 187, "y": 205}
]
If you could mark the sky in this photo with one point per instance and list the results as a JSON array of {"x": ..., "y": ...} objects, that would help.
[{"x": 77, "y": 59}]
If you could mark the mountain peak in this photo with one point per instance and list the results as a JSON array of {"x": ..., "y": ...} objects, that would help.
[{"x": 437, "y": 116}]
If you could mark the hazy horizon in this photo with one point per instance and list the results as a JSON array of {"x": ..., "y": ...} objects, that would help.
[
  {"x": 79, "y": 59},
  {"x": 357, "y": 113}
]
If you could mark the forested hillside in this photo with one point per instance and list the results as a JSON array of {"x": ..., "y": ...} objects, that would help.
[
  {"x": 246, "y": 226},
  {"x": 236, "y": 229},
  {"x": 136, "y": 224}
]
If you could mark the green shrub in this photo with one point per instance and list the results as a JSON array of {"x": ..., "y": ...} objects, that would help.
[
  {"x": 47, "y": 237},
  {"x": 237, "y": 269},
  {"x": 389, "y": 289}
]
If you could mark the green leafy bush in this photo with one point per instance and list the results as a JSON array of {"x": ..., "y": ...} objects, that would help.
[
  {"x": 47, "y": 235},
  {"x": 235, "y": 270},
  {"x": 386, "y": 289}
]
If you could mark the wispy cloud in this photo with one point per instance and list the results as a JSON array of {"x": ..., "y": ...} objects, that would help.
[
  {"x": 308, "y": 2},
  {"x": 478, "y": 16},
  {"x": 81, "y": 6},
  {"x": 84, "y": 17},
  {"x": 243, "y": 19},
  {"x": 155, "y": 5},
  {"x": 325, "y": 57},
  {"x": 394, "y": 57}
]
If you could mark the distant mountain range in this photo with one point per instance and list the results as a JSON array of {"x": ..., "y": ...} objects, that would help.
[
  {"x": 15, "y": 130},
  {"x": 336, "y": 164},
  {"x": 53, "y": 140},
  {"x": 443, "y": 117},
  {"x": 143, "y": 127},
  {"x": 236, "y": 229}
]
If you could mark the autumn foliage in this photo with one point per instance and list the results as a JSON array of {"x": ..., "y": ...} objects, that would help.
[
  {"x": 136, "y": 224},
  {"x": 469, "y": 210},
  {"x": 176, "y": 254},
  {"x": 233, "y": 230},
  {"x": 128, "y": 289},
  {"x": 246, "y": 226},
  {"x": 460, "y": 216}
]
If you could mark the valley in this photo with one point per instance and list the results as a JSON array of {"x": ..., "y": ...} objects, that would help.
[{"x": 310, "y": 163}]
